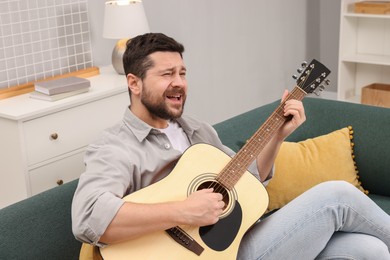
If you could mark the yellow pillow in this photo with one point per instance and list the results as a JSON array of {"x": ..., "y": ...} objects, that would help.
[{"x": 300, "y": 166}]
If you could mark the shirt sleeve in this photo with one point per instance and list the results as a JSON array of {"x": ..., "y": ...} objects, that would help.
[
  {"x": 98, "y": 196},
  {"x": 270, "y": 176}
]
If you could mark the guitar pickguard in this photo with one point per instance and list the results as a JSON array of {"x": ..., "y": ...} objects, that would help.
[{"x": 220, "y": 235}]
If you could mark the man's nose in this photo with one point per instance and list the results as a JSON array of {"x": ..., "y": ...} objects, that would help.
[{"x": 178, "y": 80}]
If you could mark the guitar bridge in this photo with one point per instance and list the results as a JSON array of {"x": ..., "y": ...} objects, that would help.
[{"x": 185, "y": 240}]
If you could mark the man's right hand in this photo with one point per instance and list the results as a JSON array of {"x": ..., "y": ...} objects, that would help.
[{"x": 203, "y": 208}]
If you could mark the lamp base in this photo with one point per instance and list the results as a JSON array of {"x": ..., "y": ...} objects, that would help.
[{"x": 117, "y": 56}]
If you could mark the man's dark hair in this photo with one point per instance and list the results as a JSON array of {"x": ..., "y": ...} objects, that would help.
[{"x": 136, "y": 58}]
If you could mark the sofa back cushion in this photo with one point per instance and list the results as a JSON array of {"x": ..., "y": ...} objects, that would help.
[{"x": 371, "y": 134}]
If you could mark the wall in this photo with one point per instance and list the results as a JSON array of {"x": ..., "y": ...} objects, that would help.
[
  {"x": 101, "y": 47},
  {"x": 239, "y": 54},
  {"x": 329, "y": 27}
]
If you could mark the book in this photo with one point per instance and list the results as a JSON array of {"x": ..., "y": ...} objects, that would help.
[
  {"x": 41, "y": 96},
  {"x": 62, "y": 85}
]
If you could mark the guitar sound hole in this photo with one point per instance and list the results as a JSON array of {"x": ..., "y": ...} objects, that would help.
[
  {"x": 218, "y": 188},
  {"x": 208, "y": 180}
]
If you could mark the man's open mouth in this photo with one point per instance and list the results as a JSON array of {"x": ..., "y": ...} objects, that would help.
[{"x": 174, "y": 97}]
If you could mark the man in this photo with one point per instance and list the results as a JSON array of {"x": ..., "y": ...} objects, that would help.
[{"x": 144, "y": 147}]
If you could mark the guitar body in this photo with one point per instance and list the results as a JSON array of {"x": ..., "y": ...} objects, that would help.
[{"x": 196, "y": 169}]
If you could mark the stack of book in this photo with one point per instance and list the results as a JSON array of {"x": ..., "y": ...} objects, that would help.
[{"x": 56, "y": 89}]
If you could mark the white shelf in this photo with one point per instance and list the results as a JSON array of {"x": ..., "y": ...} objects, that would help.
[
  {"x": 354, "y": 99},
  {"x": 364, "y": 51},
  {"x": 374, "y": 16},
  {"x": 367, "y": 59}
]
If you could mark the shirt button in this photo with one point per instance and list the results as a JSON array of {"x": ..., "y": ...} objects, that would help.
[{"x": 167, "y": 146}]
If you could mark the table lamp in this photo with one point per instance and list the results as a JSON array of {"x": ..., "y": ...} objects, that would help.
[{"x": 123, "y": 19}]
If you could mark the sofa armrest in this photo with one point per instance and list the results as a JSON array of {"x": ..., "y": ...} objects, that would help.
[{"x": 40, "y": 227}]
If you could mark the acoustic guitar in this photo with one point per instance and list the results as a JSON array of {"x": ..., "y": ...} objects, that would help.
[{"x": 203, "y": 166}]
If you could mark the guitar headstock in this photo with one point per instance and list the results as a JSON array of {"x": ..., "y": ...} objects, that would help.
[{"x": 312, "y": 76}]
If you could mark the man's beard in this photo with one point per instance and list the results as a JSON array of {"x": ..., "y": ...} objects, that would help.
[{"x": 159, "y": 108}]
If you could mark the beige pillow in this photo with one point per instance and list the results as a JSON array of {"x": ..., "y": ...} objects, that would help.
[{"x": 300, "y": 166}]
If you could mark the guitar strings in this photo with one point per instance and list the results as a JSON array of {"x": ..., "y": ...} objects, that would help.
[{"x": 217, "y": 186}]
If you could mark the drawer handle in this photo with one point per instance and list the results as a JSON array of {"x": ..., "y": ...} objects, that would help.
[
  {"x": 54, "y": 136},
  {"x": 60, "y": 182}
]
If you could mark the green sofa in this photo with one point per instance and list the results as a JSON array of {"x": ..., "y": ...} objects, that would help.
[{"x": 40, "y": 227}]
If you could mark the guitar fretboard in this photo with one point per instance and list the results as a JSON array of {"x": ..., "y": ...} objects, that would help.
[{"x": 233, "y": 171}]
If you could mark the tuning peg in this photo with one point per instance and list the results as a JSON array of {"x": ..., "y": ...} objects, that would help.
[
  {"x": 317, "y": 92},
  {"x": 327, "y": 82},
  {"x": 304, "y": 64},
  {"x": 299, "y": 70},
  {"x": 294, "y": 76}
]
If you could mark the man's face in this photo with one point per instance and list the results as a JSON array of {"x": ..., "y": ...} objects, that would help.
[{"x": 164, "y": 86}]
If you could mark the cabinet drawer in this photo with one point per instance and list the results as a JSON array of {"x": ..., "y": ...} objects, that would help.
[
  {"x": 52, "y": 135},
  {"x": 56, "y": 173}
]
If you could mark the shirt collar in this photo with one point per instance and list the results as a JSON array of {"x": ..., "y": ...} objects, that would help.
[{"x": 141, "y": 129}]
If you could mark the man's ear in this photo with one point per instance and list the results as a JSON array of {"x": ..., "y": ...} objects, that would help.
[{"x": 134, "y": 84}]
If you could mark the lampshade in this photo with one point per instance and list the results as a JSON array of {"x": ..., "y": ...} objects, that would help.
[{"x": 124, "y": 19}]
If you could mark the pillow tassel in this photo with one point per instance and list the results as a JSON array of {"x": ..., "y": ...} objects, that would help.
[{"x": 353, "y": 157}]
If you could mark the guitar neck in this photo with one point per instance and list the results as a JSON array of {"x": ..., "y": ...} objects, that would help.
[
  {"x": 310, "y": 79},
  {"x": 233, "y": 171}
]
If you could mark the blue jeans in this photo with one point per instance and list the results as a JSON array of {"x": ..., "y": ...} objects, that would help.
[{"x": 333, "y": 220}]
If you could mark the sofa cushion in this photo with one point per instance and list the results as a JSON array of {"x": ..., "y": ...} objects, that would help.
[
  {"x": 40, "y": 227},
  {"x": 381, "y": 201},
  {"x": 300, "y": 166}
]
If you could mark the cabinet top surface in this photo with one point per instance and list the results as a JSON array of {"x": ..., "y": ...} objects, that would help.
[{"x": 22, "y": 107}]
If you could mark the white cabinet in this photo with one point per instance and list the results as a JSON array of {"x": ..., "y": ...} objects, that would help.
[
  {"x": 42, "y": 143},
  {"x": 364, "y": 51}
]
